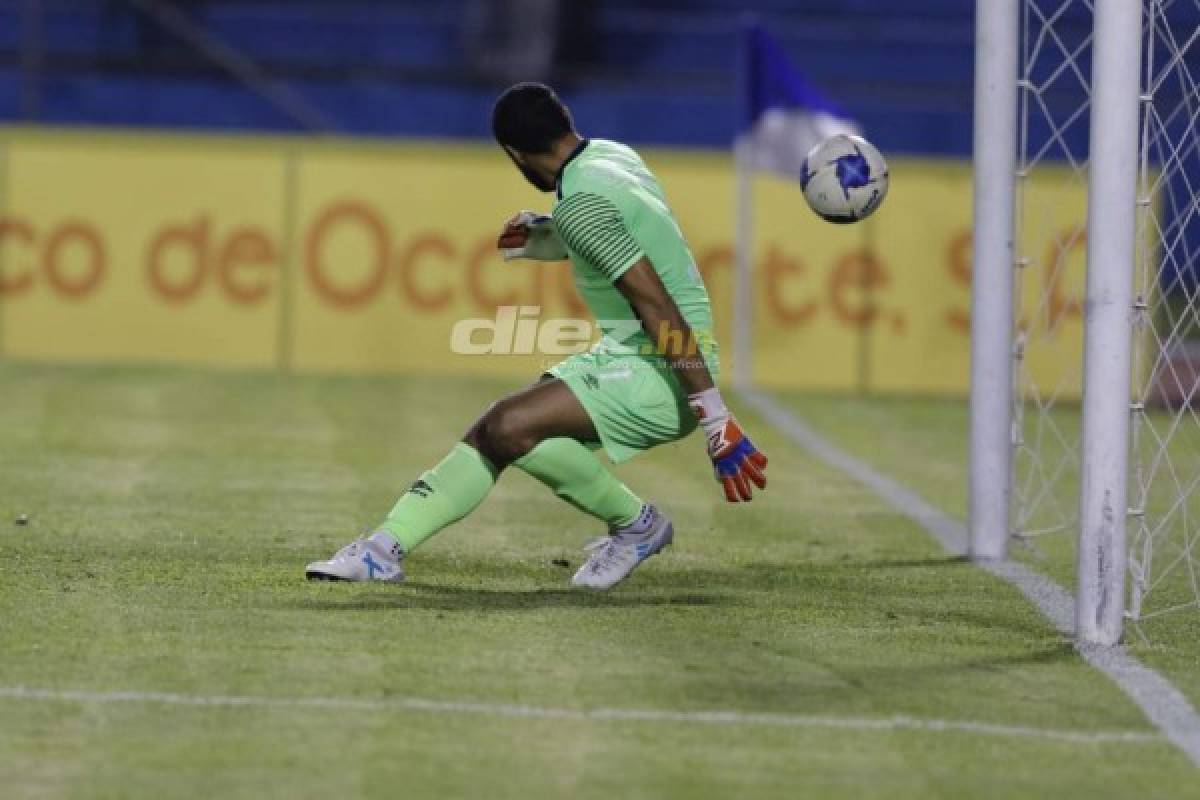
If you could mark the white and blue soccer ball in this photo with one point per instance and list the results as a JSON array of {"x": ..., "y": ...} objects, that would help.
[{"x": 844, "y": 178}]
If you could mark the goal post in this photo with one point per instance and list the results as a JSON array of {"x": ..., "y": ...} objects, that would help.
[
  {"x": 1108, "y": 332},
  {"x": 1059, "y": 102},
  {"x": 995, "y": 148}
]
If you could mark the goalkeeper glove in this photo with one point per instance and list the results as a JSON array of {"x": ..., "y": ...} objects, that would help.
[
  {"x": 530, "y": 235},
  {"x": 736, "y": 462}
]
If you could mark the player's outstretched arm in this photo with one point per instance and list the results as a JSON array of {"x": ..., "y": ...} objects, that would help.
[
  {"x": 531, "y": 235},
  {"x": 736, "y": 462}
]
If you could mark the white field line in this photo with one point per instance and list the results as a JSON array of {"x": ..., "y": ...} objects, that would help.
[
  {"x": 734, "y": 718},
  {"x": 1163, "y": 704}
]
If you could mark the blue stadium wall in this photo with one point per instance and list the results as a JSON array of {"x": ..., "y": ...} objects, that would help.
[
  {"x": 658, "y": 72},
  {"x": 655, "y": 72}
]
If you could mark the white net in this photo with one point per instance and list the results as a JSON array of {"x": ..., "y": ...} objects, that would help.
[
  {"x": 1164, "y": 555},
  {"x": 1164, "y": 504},
  {"x": 1051, "y": 193}
]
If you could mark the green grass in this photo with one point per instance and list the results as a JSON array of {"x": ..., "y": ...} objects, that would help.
[
  {"x": 171, "y": 514},
  {"x": 923, "y": 442}
]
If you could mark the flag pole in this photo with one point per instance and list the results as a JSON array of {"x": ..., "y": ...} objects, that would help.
[{"x": 743, "y": 287}]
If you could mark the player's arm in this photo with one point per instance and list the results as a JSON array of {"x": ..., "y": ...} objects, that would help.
[
  {"x": 531, "y": 235},
  {"x": 592, "y": 225},
  {"x": 664, "y": 323},
  {"x": 736, "y": 462}
]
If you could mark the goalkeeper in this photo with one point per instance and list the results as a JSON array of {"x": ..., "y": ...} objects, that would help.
[{"x": 647, "y": 382}]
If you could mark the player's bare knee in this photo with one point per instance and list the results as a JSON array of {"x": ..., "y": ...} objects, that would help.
[
  {"x": 502, "y": 434},
  {"x": 511, "y": 431}
]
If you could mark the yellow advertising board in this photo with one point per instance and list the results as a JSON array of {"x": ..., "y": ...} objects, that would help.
[
  {"x": 343, "y": 256},
  {"x": 114, "y": 251}
]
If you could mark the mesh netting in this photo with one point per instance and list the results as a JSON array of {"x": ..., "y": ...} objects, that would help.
[
  {"x": 1164, "y": 554},
  {"x": 1164, "y": 504},
  {"x": 1050, "y": 243}
]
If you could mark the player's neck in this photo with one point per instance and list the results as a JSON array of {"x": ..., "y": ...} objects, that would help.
[{"x": 562, "y": 150}]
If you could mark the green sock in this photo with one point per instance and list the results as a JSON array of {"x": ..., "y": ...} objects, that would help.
[
  {"x": 578, "y": 477},
  {"x": 443, "y": 495}
]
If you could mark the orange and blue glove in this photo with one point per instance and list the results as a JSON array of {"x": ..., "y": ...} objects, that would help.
[{"x": 737, "y": 463}]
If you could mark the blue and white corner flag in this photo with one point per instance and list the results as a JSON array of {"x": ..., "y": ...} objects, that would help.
[{"x": 783, "y": 114}]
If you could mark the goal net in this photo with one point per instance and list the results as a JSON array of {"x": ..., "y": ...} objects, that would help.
[{"x": 1162, "y": 508}]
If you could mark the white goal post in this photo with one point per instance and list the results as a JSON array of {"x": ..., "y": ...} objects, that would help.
[
  {"x": 1031, "y": 441},
  {"x": 1108, "y": 329},
  {"x": 995, "y": 146}
]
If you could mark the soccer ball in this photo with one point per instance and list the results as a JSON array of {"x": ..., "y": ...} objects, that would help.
[{"x": 844, "y": 178}]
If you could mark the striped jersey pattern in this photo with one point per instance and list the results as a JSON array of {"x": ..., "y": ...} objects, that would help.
[{"x": 592, "y": 226}]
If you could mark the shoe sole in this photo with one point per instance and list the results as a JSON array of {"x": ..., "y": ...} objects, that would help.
[
  {"x": 322, "y": 576},
  {"x": 325, "y": 576}
]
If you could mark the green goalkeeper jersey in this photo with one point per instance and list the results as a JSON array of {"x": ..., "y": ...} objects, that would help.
[{"x": 611, "y": 211}]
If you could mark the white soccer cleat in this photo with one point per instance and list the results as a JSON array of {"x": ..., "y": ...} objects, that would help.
[
  {"x": 619, "y": 553},
  {"x": 376, "y": 558}
]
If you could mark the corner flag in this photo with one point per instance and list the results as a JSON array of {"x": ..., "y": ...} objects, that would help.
[{"x": 783, "y": 115}]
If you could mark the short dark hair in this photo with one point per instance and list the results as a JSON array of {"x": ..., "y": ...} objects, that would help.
[{"x": 530, "y": 118}]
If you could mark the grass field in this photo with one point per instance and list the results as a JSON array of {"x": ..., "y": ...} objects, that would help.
[
  {"x": 923, "y": 441},
  {"x": 171, "y": 513}
]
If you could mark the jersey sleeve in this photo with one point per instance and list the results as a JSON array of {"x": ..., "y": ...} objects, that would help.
[{"x": 592, "y": 226}]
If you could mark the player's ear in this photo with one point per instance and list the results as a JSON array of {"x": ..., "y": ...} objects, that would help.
[{"x": 514, "y": 154}]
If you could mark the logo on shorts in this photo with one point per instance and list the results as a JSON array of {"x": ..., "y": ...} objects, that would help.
[
  {"x": 590, "y": 380},
  {"x": 421, "y": 489}
]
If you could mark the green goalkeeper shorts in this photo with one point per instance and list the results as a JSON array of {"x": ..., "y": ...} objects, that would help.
[{"x": 635, "y": 401}]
